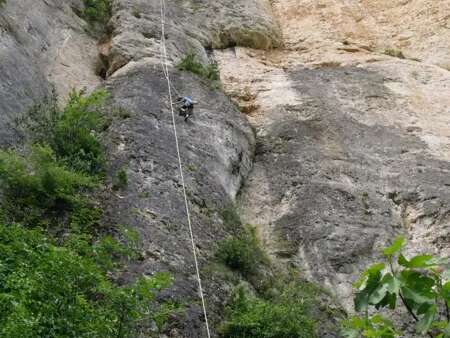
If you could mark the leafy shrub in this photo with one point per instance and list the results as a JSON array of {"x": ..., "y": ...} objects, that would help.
[
  {"x": 55, "y": 266},
  {"x": 38, "y": 123},
  {"x": 189, "y": 63},
  {"x": 52, "y": 291},
  {"x": 75, "y": 139},
  {"x": 37, "y": 190},
  {"x": 163, "y": 314},
  {"x": 97, "y": 11},
  {"x": 242, "y": 253},
  {"x": 421, "y": 284},
  {"x": 73, "y": 133},
  {"x": 285, "y": 316}
]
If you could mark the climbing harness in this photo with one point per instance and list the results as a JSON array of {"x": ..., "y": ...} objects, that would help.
[{"x": 191, "y": 233}]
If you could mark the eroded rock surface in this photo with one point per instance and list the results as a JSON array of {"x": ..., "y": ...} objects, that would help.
[
  {"x": 41, "y": 43},
  {"x": 191, "y": 26},
  {"x": 216, "y": 149},
  {"x": 352, "y": 145}
]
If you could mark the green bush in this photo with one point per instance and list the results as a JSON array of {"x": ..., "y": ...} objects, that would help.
[
  {"x": 76, "y": 133},
  {"x": 97, "y": 11},
  {"x": 37, "y": 190},
  {"x": 420, "y": 284},
  {"x": 53, "y": 291},
  {"x": 242, "y": 253},
  {"x": 285, "y": 316},
  {"x": 73, "y": 132},
  {"x": 209, "y": 72},
  {"x": 56, "y": 263}
]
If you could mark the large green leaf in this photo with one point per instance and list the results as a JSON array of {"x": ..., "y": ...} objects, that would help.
[
  {"x": 390, "y": 300},
  {"x": 395, "y": 247},
  {"x": 424, "y": 323},
  {"x": 374, "y": 269},
  {"x": 370, "y": 282},
  {"x": 378, "y": 294},
  {"x": 402, "y": 260},
  {"x": 417, "y": 288},
  {"x": 392, "y": 282},
  {"x": 361, "y": 301},
  {"x": 421, "y": 261},
  {"x": 445, "y": 293},
  {"x": 416, "y": 297}
]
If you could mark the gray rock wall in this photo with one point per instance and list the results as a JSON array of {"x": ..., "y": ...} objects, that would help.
[
  {"x": 333, "y": 190},
  {"x": 41, "y": 43}
]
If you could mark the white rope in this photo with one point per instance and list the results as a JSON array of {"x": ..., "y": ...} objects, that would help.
[{"x": 191, "y": 233}]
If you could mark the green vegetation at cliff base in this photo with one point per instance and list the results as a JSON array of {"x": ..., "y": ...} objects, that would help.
[{"x": 57, "y": 258}]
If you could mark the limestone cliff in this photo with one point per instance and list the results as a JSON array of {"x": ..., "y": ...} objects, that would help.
[
  {"x": 335, "y": 139},
  {"x": 352, "y": 132}
]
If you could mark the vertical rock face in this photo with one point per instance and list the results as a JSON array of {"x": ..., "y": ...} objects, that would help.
[
  {"x": 348, "y": 100},
  {"x": 352, "y": 145},
  {"x": 216, "y": 146},
  {"x": 45, "y": 42}
]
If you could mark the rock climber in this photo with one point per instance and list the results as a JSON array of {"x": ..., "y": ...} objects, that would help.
[{"x": 187, "y": 107}]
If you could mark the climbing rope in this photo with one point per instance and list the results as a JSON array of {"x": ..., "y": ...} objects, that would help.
[{"x": 180, "y": 165}]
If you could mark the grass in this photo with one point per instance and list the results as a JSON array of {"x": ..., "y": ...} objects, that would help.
[
  {"x": 230, "y": 217},
  {"x": 394, "y": 53},
  {"x": 330, "y": 64},
  {"x": 208, "y": 72},
  {"x": 97, "y": 11}
]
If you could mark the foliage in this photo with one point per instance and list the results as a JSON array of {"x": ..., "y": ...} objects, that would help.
[
  {"x": 285, "y": 316},
  {"x": 242, "y": 253},
  {"x": 394, "y": 53},
  {"x": 421, "y": 284},
  {"x": 97, "y": 11},
  {"x": 38, "y": 123},
  {"x": 73, "y": 132},
  {"x": 121, "y": 180},
  {"x": 282, "y": 305},
  {"x": 47, "y": 185},
  {"x": 189, "y": 63},
  {"x": 161, "y": 317},
  {"x": 230, "y": 218},
  {"x": 53, "y": 291},
  {"x": 75, "y": 138},
  {"x": 37, "y": 190},
  {"x": 56, "y": 263}
]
